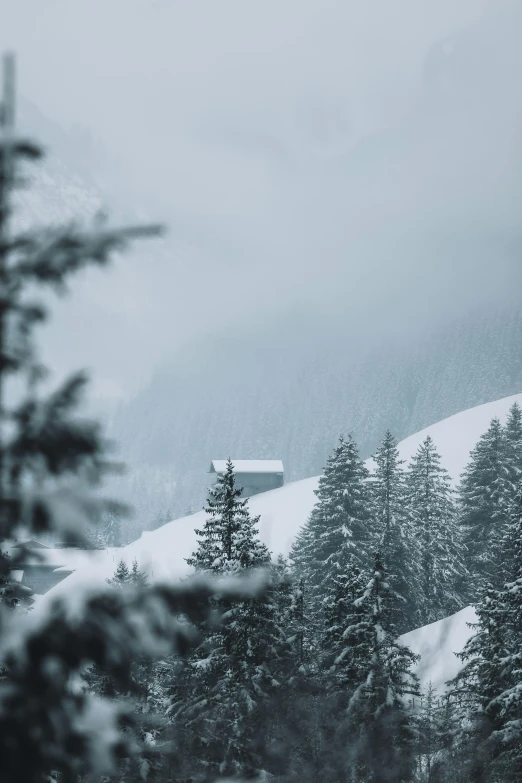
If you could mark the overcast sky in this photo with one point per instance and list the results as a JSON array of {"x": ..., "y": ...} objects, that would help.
[{"x": 358, "y": 157}]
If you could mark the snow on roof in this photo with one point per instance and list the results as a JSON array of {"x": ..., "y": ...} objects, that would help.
[{"x": 248, "y": 466}]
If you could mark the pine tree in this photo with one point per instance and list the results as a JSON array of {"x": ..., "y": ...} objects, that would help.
[
  {"x": 478, "y": 684},
  {"x": 382, "y": 747},
  {"x": 489, "y": 686},
  {"x": 137, "y": 577},
  {"x": 225, "y": 702},
  {"x": 513, "y": 443},
  {"x": 336, "y": 538},
  {"x": 447, "y": 763},
  {"x": 296, "y": 712},
  {"x": 145, "y": 688},
  {"x": 427, "y": 734},
  {"x": 507, "y": 705},
  {"x": 228, "y": 540},
  {"x": 121, "y": 575},
  {"x": 343, "y": 647},
  {"x": 511, "y": 543},
  {"x": 434, "y": 521},
  {"x": 342, "y": 643},
  {"x": 484, "y": 491},
  {"x": 240, "y": 665},
  {"x": 396, "y": 533}
]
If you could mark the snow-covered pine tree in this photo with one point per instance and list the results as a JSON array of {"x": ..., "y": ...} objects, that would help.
[
  {"x": 478, "y": 685},
  {"x": 508, "y": 704},
  {"x": 446, "y": 766},
  {"x": 489, "y": 687},
  {"x": 433, "y": 520},
  {"x": 509, "y": 735},
  {"x": 396, "y": 532},
  {"x": 121, "y": 575},
  {"x": 228, "y": 540},
  {"x": 438, "y": 759},
  {"x": 342, "y": 642},
  {"x": 381, "y": 745},
  {"x": 513, "y": 443},
  {"x": 298, "y": 712},
  {"x": 483, "y": 496},
  {"x": 344, "y": 648},
  {"x": 136, "y": 577},
  {"x": 300, "y": 554},
  {"x": 290, "y": 595},
  {"x": 337, "y": 537},
  {"x": 226, "y": 699},
  {"x": 510, "y": 546},
  {"x": 221, "y": 706},
  {"x": 145, "y": 690},
  {"x": 427, "y": 747}
]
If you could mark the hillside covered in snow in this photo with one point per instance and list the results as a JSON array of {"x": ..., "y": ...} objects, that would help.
[
  {"x": 161, "y": 553},
  {"x": 283, "y": 511},
  {"x": 437, "y": 644}
]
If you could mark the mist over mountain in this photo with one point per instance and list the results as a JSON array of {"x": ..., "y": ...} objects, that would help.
[
  {"x": 290, "y": 394},
  {"x": 330, "y": 258},
  {"x": 382, "y": 185}
]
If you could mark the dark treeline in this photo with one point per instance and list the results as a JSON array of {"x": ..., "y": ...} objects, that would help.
[{"x": 310, "y": 680}]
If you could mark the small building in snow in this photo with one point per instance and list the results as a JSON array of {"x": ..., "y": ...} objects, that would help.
[
  {"x": 253, "y": 475},
  {"x": 40, "y": 567}
]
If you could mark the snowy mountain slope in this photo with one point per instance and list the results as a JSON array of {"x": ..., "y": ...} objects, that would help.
[
  {"x": 437, "y": 644},
  {"x": 455, "y": 436},
  {"x": 162, "y": 552},
  {"x": 319, "y": 386}
]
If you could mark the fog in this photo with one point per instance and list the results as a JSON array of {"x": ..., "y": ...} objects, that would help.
[{"x": 343, "y": 160}]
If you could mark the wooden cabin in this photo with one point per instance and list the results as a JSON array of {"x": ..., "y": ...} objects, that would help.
[
  {"x": 42, "y": 567},
  {"x": 38, "y": 569},
  {"x": 253, "y": 475}
]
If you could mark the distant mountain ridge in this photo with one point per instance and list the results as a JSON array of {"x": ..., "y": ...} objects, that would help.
[{"x": 273, "y": 404}]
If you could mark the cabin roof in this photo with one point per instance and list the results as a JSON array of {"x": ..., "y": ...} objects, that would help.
[
  {"x": 248, "y": 466},
  {"x": 30, "y": 544},
  {"x": 72, "y": 558}
]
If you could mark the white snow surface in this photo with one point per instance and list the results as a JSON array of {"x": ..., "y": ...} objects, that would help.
[
  {"x": 437, "y": 644},
  {"x": 162, "y": 552},
  {"x": 249, "y": 465}
]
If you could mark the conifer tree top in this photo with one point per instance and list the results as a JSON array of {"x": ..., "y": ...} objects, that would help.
[{"x": 228, "y": 541}]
